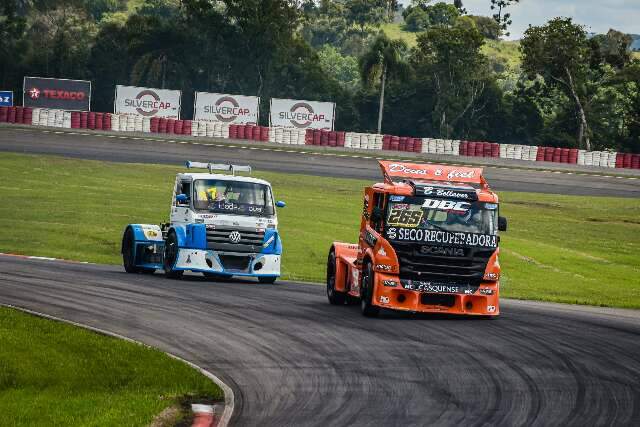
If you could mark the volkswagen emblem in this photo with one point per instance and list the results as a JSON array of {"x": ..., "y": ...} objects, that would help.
[{"x": 234, "y": 237}]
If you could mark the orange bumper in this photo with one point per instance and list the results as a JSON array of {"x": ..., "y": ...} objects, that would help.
[{"x": 484, "y": 301}]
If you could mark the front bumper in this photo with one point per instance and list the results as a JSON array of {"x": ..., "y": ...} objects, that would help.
[
  {"x": 228, "y": 263},
  {"x": 483, "y": 301}
]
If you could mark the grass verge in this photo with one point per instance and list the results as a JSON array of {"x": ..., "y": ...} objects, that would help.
[
  {"x": 52, "y": 373},
  {"x": 559, "y": 248}
]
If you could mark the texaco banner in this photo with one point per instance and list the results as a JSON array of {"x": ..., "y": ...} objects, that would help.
[{"x": 220, "y": 107}]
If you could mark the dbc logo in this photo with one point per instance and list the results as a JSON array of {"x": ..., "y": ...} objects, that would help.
[{"x": 446, "y": 205}]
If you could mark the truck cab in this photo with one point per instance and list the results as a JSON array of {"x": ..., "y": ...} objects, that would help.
[
  {"x": 221, "y": 224},
  {"x": 428, "y": 243}
]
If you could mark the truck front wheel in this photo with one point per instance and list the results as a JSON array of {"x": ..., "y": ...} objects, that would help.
[
  {"x": 170, "y": 257},
  {"x": 128, "y": 255},
  {"x": 335, "y": 297},
  {"x": 366, "y": 293}
]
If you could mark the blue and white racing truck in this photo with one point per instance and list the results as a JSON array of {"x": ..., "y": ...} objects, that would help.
[{"x": 221, "y": 225}]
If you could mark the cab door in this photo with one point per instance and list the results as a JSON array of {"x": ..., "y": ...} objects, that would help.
[{"x": 181, "y": 212}]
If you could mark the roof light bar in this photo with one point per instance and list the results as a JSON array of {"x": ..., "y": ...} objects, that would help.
[{"x": 218, "y": 167}]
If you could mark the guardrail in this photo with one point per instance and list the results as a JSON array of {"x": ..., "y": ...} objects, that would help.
[{"x": 295, "y": 136}]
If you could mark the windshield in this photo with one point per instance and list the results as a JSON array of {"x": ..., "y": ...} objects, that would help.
[
  {"x": 468, "y": 223},
  {"x": 234, "y": 197}
]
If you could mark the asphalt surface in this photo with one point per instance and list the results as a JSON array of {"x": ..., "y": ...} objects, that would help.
[
  {"x": 123, "y": 148},
  {"x": 293, "y": 359}
]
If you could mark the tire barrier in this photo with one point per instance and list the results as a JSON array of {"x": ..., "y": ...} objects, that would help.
[
  {"x": 294, "y": 136},
  {"x": 364, "y": 141},
  {"x": 19, "y": 115},
  {"x": 325, "y": 138}
]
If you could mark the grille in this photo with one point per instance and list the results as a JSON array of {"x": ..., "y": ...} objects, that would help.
[
  {"x": 235, "y": 262},
  {"x": 415, "y": 265},
  {"x": 250, "y": 239}
]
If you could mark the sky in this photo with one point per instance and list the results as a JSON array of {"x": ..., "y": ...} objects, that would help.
[{"x": 597, "y": 16}]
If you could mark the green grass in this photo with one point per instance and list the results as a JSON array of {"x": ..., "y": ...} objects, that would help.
[
  {"x": 558, "y": 248},
  {"x": 396, "y": 30},
  {"x": 53, "y": 374}
]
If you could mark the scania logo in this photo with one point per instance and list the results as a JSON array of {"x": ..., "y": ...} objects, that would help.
[
  {"x": 234, "y": 237},
  {"x": 440, "y": 250}
]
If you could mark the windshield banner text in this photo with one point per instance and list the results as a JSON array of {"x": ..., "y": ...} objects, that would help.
[{"x": 402, "y": 234}]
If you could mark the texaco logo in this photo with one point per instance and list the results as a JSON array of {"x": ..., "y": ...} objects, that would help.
[
  {"x": 234, "y": 237},
  {"x": 34, "y": 93}
]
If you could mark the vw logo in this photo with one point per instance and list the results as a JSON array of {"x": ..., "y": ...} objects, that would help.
[{"x": 234, "y": 237}]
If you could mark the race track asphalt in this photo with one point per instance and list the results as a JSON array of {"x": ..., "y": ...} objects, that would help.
[
  {"x": 123, "y": 148},
  {"x": 294, "y": 360}
]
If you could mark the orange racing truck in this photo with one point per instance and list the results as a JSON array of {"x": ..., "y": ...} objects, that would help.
[{"x": 428, "y": 243}]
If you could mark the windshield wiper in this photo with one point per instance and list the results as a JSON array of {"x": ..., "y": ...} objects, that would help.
[{"x": 439, "y": 227}]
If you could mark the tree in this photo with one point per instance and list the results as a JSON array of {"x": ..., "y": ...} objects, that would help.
[
  {"x": 559, "y": 52},
  {"x": 503, "y": 19},
  {"x": 363, "y": 13},
  {"x": 343, "y": 68},
  {"x": 382, "y": 60},
  {"x": 448, "y": 59},
  {"x": 458, "y": 4},
  {"x": 12, "y": 29},
  {"x": 417, "y": 20},
  {"x": 488, "y": 27}
]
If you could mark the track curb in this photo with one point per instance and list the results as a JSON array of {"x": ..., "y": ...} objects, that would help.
[{"x": 229, "y": 397}]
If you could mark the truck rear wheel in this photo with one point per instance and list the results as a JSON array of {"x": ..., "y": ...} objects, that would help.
[
  {"x": 170, "y": 257},
  {"x": 270, "y": 280},
  {"x": 366, "y": 293},
  {"x": 335, "y": 297},
  {"x": 128, "y": 255}
]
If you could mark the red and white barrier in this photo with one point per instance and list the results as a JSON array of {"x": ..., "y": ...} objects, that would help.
[{"x": 294, "y": 136}]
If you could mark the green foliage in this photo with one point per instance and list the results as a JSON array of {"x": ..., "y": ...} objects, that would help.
[
  {"x": 488, "y": 27},
  {"x": 502, "y": 18},
  {"x": 420, "y": 15},
  {"x": 343, "y": 68}
]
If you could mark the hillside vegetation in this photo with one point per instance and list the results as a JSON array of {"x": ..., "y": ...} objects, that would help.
[{"x": 437, "y": 79}]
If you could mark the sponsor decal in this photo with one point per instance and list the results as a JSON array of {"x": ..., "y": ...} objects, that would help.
[
  {"x": 491, "y": 276},
  {"x": 399, "y": 168},
  {"x": 460, "y": 174},
  {"x": 383, "y": 267},
  {"x": 382, "y": 252},
  {"x": 396, "y": 198},
  {"x": 188, "y": 259},
  {"x": 438, "y": 288},
  {"x": 446, "y": 205},
  {"x": 301, "y": 115},
  {"x": 384, "y": 299},
  {"x": 147, "y": 103},
  {"x": 226, "y": 109},
  {"x": 370, "y": 238},
  {"x": 62, "y": 94},
  {"x": 390, "y": 283},
  {"x": 6, "y": 98},
  {"x": 491, "y": 206},
  {"x": 404, "y": 217},
  {"x": 442, "y": 237},
  {"x": 486, "y": 291},
  {"x": 441, "y": 250},
  {"x": 234, "y": 237},
  {"x": 491, "y": 309}
]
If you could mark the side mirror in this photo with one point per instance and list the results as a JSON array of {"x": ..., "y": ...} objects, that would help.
[
  {"x": 280, "y": 204},
  {"x": 182, "y": 199},
  {"x": 502, "y": 223}
]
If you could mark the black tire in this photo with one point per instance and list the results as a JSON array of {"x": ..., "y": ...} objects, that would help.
[
  {"x": 366, "y": 293},
  {"x": 170, "y": 255},
  {"x": 269, "y": 280},
  {"x": 128, "y": 257},
  {"x": 335, "y": 297},
  {"x": 147, "y": 270}
]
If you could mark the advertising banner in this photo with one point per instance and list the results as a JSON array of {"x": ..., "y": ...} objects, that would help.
[
  {"x": 61, "y": 94},
  {"x": 6, "y": 98},
  {"x": 148, "y": 102},
  {"x": 220, "y": 107},
  {"x": 302, "y": 114}
]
